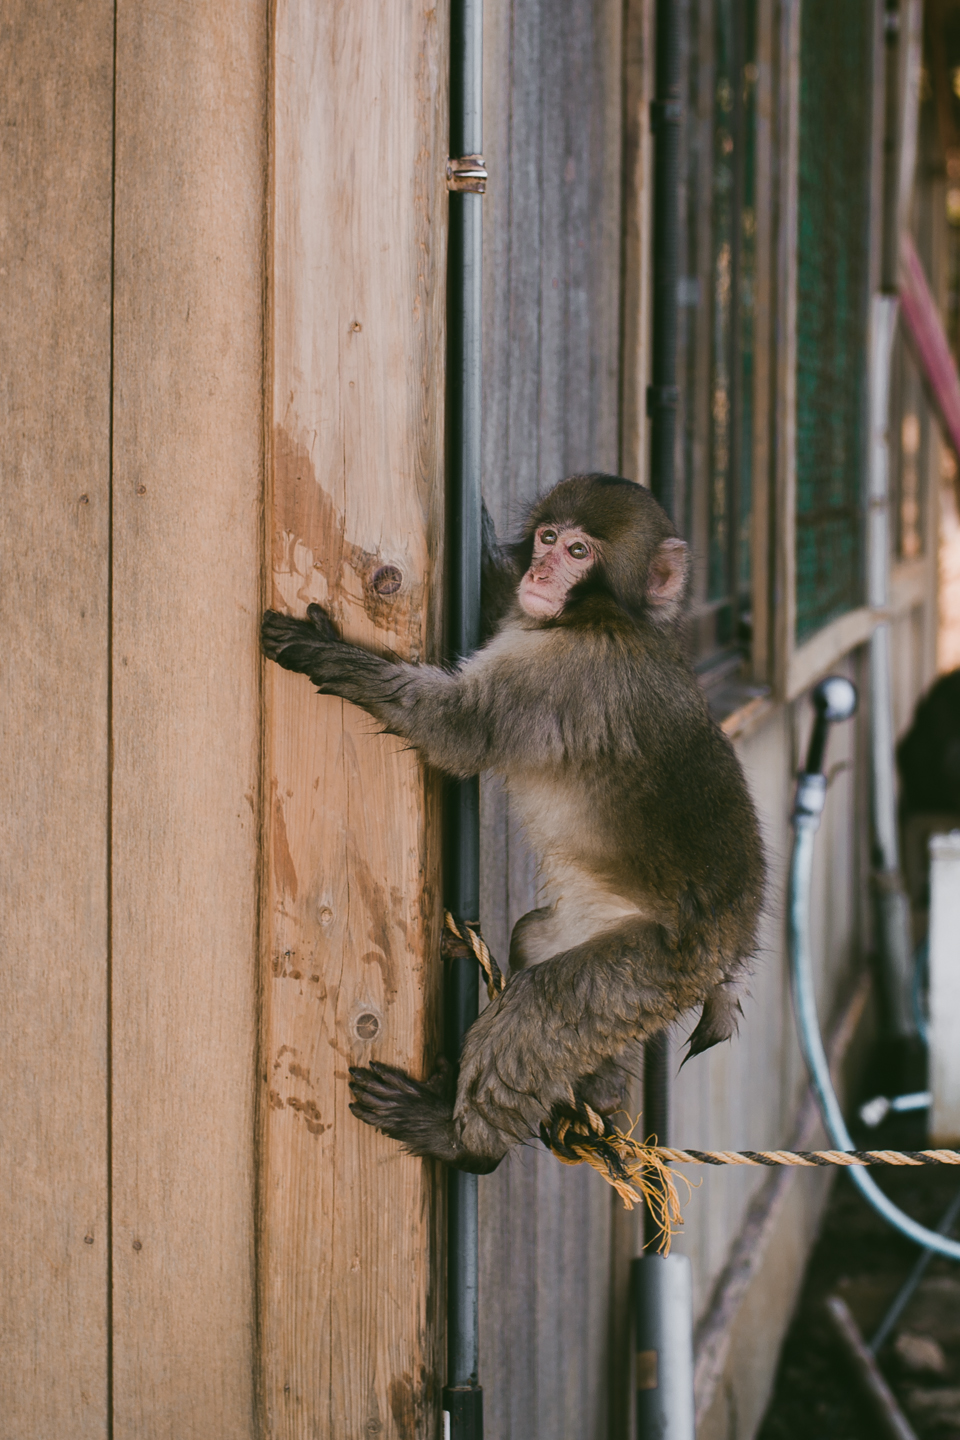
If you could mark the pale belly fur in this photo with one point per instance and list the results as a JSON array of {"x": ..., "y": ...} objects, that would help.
[{"x": 576, "y": 905}]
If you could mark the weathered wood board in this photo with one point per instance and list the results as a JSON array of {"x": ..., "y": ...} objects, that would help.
[
  {"x": 56, "y": 65},
  {"x": 352, "y": 1254},
  {"x": 187, "y": 546},
  {"x": 552, "y": 258}
]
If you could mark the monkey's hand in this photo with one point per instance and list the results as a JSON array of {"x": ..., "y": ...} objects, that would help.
[
  {"x": 294, "y": 643},
  {"x": 313, "y": 647},
  {"x": 417, "y": 1113}
]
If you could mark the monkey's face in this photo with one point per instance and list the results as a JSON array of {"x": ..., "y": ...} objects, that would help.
[{"x": 562, "y": 556}]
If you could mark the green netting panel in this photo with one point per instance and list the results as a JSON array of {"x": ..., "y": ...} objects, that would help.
[{"x": 832, "y": 295}]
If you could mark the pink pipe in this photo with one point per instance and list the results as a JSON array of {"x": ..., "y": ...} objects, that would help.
[{"x": 929, "y": 340}]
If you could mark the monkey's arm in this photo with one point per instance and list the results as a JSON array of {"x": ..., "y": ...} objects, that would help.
[{"x": 420, "y": 703}]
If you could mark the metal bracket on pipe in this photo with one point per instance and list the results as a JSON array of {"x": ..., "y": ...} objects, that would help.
[
  {"x": 467, "y": 175},
  {"x": 665, "y": 112},
  {"x": 662, "y": 397}
]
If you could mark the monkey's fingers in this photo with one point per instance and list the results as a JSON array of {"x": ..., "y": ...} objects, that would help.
[
  {"x": 292, "y": 643},
  {"x": 321, "y": 621},
  {"x": 388, "y": 1082}
]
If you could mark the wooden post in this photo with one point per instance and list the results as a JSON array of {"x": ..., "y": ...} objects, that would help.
[
  {"x": 55, "y": 175},
  {"x": 351, "y": 1314},
  {"x": 190, "y": 198}
]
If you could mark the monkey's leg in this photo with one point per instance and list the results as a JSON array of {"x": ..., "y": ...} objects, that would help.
[
  {"x": 418, "y": 1114},
  {"x": 557, "y": 1025}
]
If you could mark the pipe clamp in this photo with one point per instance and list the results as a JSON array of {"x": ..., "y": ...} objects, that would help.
[{"x": 467, "y": 175}]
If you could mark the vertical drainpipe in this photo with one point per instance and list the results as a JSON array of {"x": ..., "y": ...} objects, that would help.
[
  {"x": 662, "y": 396},
  {"x": 891, "y": 905},
  {"x": 662, "y": 1288},
  {"x": 462, "y": 1395}
]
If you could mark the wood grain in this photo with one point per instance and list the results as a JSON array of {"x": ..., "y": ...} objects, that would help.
[
  {"x": 352, "y": 1278},
  {"x": 188, "y": 481},
  {"x": 56, "y": 64}
]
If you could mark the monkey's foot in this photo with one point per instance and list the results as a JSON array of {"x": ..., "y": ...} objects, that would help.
[
  {"x": 570, "y": 1125},
  {"x": 417, "y": 1113},
  {"x": 294, "y": 643}
]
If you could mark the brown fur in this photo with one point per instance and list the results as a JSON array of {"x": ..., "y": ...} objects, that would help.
[{"x": 630, "y": 793}]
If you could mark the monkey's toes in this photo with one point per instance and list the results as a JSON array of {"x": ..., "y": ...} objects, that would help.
[{"x": 554, "y": 1135}]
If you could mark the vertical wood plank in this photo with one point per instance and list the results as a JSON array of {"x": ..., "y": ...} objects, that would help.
[
  {"x": 637, "y": 215},
  {"x": 56, "y": 64},
  {"x": 552, "y": 253},
  {"x": 188, "y": 477},
  {"x": 353, "y": 1255}
]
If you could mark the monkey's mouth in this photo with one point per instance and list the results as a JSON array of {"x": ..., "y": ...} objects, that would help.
[{"x": 540, "y": 600}]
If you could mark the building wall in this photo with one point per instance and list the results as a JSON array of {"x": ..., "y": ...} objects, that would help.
[{"x": 555, "y": 1243}]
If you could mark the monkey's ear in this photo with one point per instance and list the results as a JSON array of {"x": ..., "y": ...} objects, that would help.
[{"x": 668, "y": 573}]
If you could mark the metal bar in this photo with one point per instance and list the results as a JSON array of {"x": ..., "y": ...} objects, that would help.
[
  {"x": 662, "y": 409},
  {"x": 462, "y": 1395},
  {"x": 663, "y": 1376}
]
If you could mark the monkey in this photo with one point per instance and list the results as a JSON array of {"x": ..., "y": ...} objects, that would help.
[
  {"x": 928, "y": 756},
  {"x": 583, "y": 699}
]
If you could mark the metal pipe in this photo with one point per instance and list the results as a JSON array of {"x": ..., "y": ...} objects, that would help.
[
  {"x": 663, "y": 1377},
  {"x": 662, "y": 409},
  {"x": 894, "y": 947},
  {"x": 462, "y": 1395},
  {"x": 656, "y": 1110},
  {"x": 892, "y": 908},
  {"x": 663, "y": 1296}
]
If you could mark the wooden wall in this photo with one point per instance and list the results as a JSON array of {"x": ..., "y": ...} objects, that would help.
[
  {"x": 198, "y": 1239},
  {"x": 221, "y": 382},
  {"x": 133, "y": 172},
  {"x": 55, "y": 154}
]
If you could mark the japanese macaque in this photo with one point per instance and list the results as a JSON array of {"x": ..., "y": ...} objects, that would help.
[
  {"x": 929, "y": 753},
  {"x": 583, "y": 700}
]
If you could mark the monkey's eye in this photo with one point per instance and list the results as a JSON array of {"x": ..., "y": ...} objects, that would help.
[
  {"x": 548, "y": 536},
  {"x": 578, "y": 550}
]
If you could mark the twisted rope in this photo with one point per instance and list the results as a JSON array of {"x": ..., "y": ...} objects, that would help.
[
  {"x": 470, "y": 935},
  {"x": 807, "y": 1157}
]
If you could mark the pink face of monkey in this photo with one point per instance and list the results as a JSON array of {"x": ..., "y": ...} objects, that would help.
[{"x": 562, "y": 555}]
